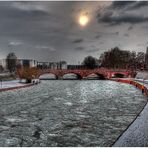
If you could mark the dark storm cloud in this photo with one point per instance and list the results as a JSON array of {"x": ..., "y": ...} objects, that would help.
[
  {"x": 139, "y": 5},
  {"x": 19, "y": 23},
  {"x": 120, "y": 12},
  {"x": 121, "y": 4},
  {"x": 123, "y": 18},
  {"x": 50, "y": 30},
  {"x": 126, "y": 35},
  {"x": 128, "y": 5},
  {"x": 33, "y": 25},
  {"x": 78, "y": 41},
  {"x": 92, "y": 50},
  {"x": 89, "y": 49},
  {"x": 130, "y": 28},
  {"x": 116, "y": 33},
  {"x": 80, "y": 48},
  {"x": 102, "y": 34},
  {"x": 98, "y": 36},
  {"x": 20, "y": 14},
  {"x": 101, "y": 43}
]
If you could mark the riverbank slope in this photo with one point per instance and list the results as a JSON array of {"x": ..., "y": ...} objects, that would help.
[{"x": 136, "y": 135}]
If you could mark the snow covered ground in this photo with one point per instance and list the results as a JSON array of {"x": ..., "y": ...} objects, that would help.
[
  {"x": 10, "y": 84},
  {"x": 137, "y": 133}
]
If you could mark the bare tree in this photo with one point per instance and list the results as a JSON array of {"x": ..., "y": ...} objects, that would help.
[
  {"x": 90, "y": 62},
  {"x": 117, "y": 58}
]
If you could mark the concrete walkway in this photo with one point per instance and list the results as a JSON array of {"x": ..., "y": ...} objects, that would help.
[{"x": 137, "y": 133}]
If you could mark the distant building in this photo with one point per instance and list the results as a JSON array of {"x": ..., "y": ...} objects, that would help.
[
  {"x": 33, "y": 63},
  {"x": 27, "y": 63},
  {"x": 146, "y": 59},
  {"x": 52, "y": 65},
  {"x": 20, "y": 62},
  {"x": 43, "y": 65},
  {"x": 62, "y": 65}
]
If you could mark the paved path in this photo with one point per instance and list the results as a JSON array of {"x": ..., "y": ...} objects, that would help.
[{"x": 137, "y": 133}]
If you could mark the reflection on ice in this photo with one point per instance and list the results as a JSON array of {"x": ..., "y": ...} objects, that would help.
[
  {"x": 14, "y": 119},
  {"x": 68, "y": 103}
]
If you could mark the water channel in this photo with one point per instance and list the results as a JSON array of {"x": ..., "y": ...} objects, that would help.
[{"x": 68, "y": 113}]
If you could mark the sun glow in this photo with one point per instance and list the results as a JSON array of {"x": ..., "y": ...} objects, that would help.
[{"x": 83, "y": 20}]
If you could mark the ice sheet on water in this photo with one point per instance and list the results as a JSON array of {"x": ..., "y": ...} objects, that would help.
[
  {"x": 14, "y": 119},
  {"x": 68, "y": 103},
  {"x": 43, "y": 114}
]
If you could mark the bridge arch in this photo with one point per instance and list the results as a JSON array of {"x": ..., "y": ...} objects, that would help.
[
  {"x": 97, "y": 75},
  {"x": 47, "y": 75},
  {"x": 67, "y": 76},
  {"x": 119, "y": 75}
]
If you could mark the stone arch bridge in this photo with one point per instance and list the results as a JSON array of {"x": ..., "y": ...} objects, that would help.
[{"x": 81, "y": 73}]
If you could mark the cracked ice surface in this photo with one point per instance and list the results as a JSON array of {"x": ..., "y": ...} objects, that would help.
[{"x": 68, "y": 113}]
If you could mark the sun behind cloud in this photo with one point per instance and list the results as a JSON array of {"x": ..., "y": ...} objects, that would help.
[{"x": 83, "y": 20}]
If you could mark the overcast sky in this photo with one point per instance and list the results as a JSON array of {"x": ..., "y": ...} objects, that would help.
[{"x": 49, "y": 31}]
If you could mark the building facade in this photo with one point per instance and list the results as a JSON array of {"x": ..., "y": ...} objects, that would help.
[
  {"x": 52, "y": 65},
  {"x": 27, "y": 63},
  {"x": 33, "y": 63},
  {"x": 20, "y": 63}
]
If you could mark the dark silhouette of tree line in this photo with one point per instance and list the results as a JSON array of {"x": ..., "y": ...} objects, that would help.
[
  {"x": 113, "y": 58},
  {"x": 90, "y": 62},
  {"x": 117, "y": 58}
]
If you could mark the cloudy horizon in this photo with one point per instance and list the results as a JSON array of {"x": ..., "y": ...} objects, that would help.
[{"x": 50, "y": 30}]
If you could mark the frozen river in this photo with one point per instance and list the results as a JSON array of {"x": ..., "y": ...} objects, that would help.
[{"x": 68, "y": 113}]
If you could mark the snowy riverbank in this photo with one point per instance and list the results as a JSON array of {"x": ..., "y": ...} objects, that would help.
[
  {"x": 10, "y": 84},
  {"x": 136, "y": 135},
  {"x": 13, "y": 84}
]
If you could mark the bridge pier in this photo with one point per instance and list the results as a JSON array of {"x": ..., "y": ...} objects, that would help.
[
  {"x": 59, "y": 78},
  {"x": 28, "y": 80}
]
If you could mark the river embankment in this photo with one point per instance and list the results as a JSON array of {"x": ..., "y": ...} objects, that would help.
[
  {"x": 142, "y": 85},
  {"x": 136, "y": 133},
  {"x": 13, "y": 84}
]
